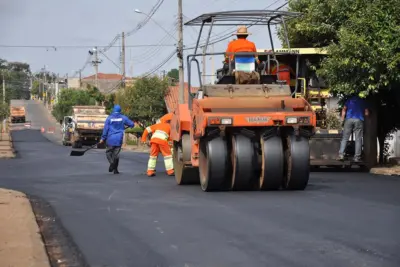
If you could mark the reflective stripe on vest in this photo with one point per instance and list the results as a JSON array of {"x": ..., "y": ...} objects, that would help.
[
  {"x": 148, "y": 129},
  {"x": 160, "y": 135}
]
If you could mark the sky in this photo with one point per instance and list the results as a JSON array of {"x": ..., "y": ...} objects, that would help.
[{"x": 83, "y": 24}]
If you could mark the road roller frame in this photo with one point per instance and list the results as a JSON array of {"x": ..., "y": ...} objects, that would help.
[{"x": 242, "y": 136}]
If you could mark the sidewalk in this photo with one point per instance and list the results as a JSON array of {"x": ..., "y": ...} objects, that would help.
[
  {"x": 392, "y": 171},
  {"x": 20, "y": 243}
]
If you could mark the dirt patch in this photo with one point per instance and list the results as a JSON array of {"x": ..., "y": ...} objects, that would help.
[
  {"x": 390, "y": 170},
  {"x": 21, "y": 243}
]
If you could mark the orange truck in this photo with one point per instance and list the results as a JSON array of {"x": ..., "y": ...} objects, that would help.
[
  {"x": 17, "y": 114},
  {"x": 238, "y": 135}
]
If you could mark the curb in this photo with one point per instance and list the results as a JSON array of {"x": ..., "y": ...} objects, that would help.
[{"x": 387, "y": 171}]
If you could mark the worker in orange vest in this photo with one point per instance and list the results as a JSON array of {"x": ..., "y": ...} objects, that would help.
[
  {"x": 159, "y": 143},
  {"x": 284, "y": 72}
]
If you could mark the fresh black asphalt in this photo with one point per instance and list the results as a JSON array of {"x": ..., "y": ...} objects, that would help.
[{"x": 341, "y": 219}]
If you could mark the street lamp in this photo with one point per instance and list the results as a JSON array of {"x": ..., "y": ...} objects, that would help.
[{"x": 140, "y": 12}]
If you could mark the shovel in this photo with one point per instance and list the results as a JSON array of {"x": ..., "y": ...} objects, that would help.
[{"x": 81, "y": 152}]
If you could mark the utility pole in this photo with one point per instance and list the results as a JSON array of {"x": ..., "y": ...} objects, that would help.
[
  {"x": 212, "y": 65},
  {"x": 80, "y": 78},
  {"x": 203, "y": 80},
  {"x": 4, "y": 89},
  {"x": 123, "y": 59},
  {"x": 180, "y": 55},
  {"x": 96, "y": 67}
]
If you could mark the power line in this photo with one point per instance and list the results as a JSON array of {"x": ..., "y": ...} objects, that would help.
[
  {"x": 159, "y": 66},
  {"x": 228, "y": 35},
  {"x": 79, "y": 46}
]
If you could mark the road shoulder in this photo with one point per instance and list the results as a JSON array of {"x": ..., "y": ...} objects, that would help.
[
  {"x": 21, "y": 244},
  {"x": 391, "y": 170}
]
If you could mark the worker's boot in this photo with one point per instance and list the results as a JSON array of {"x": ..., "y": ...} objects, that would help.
[
  {"x": 111, "y": 168},
  {"x": 151, "y": 173},
  {"x": 116, "y": 166}
]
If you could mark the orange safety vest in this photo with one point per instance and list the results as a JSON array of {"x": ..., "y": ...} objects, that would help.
[
  {"x": 284, "y": 72},
  {"x": 160, "y": 133},
  {"x": 240, "y": 45}
]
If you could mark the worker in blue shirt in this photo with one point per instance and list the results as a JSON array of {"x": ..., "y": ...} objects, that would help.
[
  {"x": 353, "y": 114},
  {"x": 113, "y": 134}
]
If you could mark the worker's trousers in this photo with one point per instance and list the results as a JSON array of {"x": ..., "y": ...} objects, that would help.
[
  {"x": 355, "y": 126},
  {"x": 166, "y": 152},
  {"x": 112, "y": 154}
]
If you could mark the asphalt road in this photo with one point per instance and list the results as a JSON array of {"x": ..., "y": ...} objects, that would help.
[{"x": 341, "y": 219}]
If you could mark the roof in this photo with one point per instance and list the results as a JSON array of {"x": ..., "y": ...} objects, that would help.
[
  {"x": 297, "y": 51},
  {"x": 106, "y": 76},
  {"x": 234, "y": 18},
  {"x": 172, "y": 97}
]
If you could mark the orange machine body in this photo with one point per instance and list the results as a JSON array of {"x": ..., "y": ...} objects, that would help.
[{"x": 242, "y": 111}]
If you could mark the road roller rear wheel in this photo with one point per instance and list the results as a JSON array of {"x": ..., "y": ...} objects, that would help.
[
  {"x": 213, "y": 164},
  {"x": 297, "y": 159},
  {"x": 243, "y": 163},
  {"x": 184, "y": 175},
  {"x": 272, "y": 166}
]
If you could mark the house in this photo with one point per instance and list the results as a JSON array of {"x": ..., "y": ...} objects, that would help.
[
  {"x": 107, "y": 82},
  {"x": 172, "y": 97}
]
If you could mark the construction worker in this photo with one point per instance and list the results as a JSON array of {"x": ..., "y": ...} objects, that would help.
[
  {"x": 159, "y": 143},
  {"x": 284, "y": 72},
  {"x": 241, "y": 44},
  {"x": 113, "y": 134}
]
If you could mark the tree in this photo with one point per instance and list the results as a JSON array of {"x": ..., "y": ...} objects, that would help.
[
  {"x": 95, "y": 94},
  {"x": 17, "y": 79},
  {"x": 35, "y": 88},
  {"x": 4, "y": 111},
  {"x": 362, "y": 39},
  {"x": 174, "y": 75},
  {"x": 144, "y": 101},
  {"x": 69, "y": 98}
]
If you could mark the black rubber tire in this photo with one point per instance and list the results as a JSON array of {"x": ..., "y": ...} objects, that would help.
[
  {"x": 184, "y": 175},
  {"x": 213, "y": 164},
  {"x": 243, "y": 163},
  {"x": 273, "y": 162},
  {"x": 297, "y": 163}
]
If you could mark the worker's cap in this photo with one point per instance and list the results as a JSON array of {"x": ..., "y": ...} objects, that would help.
[
  {"x": 117, "y": 108},
  {"x": 242, "y": 30}
]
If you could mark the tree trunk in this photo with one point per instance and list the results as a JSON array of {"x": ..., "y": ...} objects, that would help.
[
  {"x": 381, "y": 138},
  {"x": 370, "y": 135}
]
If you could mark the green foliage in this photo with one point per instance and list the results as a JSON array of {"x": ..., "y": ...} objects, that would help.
[
  {"x": 17, "y": 79},
  {"x": 366, "y": 58},
  {"x": 144, "y": 101},
  {"x": 4, "y": 111},
  {"x": 134, "y": 130},
  {"x": 320, "y": 21},
  {"x": 109, "y": 102},
  {"x": 35, "y": 88},
  {"x": 363, "y": 40},
  {"x": 95, "y": 94},
  {"x": 173, "y": 74},
  {"x": 69, "y": 98}
]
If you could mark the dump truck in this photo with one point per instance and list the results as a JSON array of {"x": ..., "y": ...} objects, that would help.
[
  {"x": 17, "y": 114},
  {"x": 325, "y": 144},
  {"x": 84, "y": 126},
  {"x": 242, "y": 134}
]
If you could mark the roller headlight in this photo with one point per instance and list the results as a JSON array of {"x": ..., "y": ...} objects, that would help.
[{"x": 291, "y": 120}]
